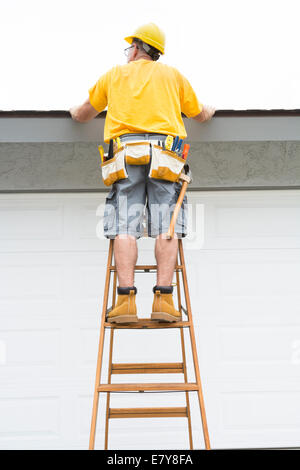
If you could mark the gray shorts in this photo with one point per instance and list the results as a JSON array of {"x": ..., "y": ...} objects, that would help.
[{"x": 139, "y": 205}]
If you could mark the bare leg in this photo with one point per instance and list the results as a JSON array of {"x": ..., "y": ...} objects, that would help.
[
  {"x": 125, "y": 250},
  {"x": 166, "y": 256}
]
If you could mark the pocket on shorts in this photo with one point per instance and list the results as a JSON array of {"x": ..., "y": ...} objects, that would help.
[
  {"x": 114, "y": 169},
  {"x": 182, "y": 219},
  {"x": 109, "y": 217},
  {"x": 165, "y": 164},
  {"x": 137, "y": 153}
]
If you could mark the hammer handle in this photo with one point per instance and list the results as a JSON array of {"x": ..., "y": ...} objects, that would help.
[{"x": 170, "y": 233}]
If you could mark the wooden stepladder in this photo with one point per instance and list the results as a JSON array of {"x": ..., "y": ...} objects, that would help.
[{"x": 147, "y": 368}]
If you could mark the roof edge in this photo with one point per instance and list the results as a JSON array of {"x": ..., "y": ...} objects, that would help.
[{"x": 219, "y": 113}]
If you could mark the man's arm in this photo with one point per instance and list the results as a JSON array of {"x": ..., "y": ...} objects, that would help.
[
  {"x": 206, "y": 114},
  {"x": 84, "y": 112}
]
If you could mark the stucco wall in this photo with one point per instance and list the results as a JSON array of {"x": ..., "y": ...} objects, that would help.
[{"x": 75, "y": 166}]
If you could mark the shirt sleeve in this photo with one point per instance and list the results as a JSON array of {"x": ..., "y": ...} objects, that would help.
[
  {"x": 98, "y": 93},
  {"x": 190, "y": 106}
]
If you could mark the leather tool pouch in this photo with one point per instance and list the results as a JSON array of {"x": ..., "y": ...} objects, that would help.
[
  {"x": 165, "y": 164},
  {"x": 114, "y": 169},
  {"x": 137, "y": 153}
]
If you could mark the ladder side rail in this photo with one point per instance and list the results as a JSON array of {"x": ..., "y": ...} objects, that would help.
[
  {"x": 100, "y": 349},
  {"x": 194, "y": 350},
  {"x": 111, "y": 340},
  {"x": 184, "y": 363}
]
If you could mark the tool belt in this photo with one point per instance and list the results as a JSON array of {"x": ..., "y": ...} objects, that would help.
[
  {"x": 132, "y": 153},
  {"x": 137, "y": 153},
  {"x": 165, "y": 164},
  {"x": 114, "y": 168}
]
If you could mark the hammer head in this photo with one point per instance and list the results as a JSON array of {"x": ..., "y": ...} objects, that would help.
[{"x": 187, "y": 175}]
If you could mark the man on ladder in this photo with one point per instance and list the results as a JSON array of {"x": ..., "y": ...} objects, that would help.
[{"x": 145, "y": 100}]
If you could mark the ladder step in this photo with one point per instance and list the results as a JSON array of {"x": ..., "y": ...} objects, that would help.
[
  {"x": 170, "y": 412},
  {"x": 148, "y": 368},
  {"x": 141, "y": 387},
  {"x": 148, "y": 267},
  {"x": 147, "y": 323}
]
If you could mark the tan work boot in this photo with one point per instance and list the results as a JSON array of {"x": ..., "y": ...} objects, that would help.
[
  {"x": 125, "y": 309},
  {"x": 163, "y": 307}
]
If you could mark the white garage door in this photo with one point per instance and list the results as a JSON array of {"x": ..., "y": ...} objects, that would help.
[{"x": 244, "y": 270}]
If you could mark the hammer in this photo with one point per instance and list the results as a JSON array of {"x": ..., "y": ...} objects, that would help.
[{"x": 186, "y": 179}]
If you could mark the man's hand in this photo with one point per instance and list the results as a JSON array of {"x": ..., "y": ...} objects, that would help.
[
  {"x": 84, "y": 112},
  {"x": 206, "y": 114}
]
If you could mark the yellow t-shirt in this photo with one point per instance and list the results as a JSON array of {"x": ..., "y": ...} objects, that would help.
[{"x": 144, "y": 96}]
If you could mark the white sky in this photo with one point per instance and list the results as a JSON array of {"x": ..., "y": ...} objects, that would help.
[{"x": 237, "y": 54}]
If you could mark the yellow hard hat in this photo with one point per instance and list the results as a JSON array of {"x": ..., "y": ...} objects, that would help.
[{"x": 150, "y": 34}]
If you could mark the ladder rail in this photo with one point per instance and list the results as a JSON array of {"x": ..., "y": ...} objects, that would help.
[
  {"x": 110, "y": 364},
  {"x": 184, "y": 364},
  {"x": 100, "y": 349},
  {"x": 194, "y": 351}
]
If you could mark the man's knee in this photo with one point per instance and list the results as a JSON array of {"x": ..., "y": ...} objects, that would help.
[
  {"x": 125, "y": 236},
  {"x": 165, "y": 236}
]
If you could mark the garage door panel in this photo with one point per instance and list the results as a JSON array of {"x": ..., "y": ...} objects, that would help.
[
  {"x": 14, "y": 310},
  {"x": 84, "y": 223},
  {"x": 88, "y": 338},
  {"x": 23, "y": 418},
  {"x": 84, "y": 406},
  {"x": 88, "y": 282},
  {"x": 278, "y": 309},
  {"x": 244, "y": 273},
  {"x": 50, "y": 222},
  {"x": 230, "y": 287},
  {"x": 30, "y": 348},
  {"x": 249, "y": 219},
  {"x": 259, "y": 278},
  {"x": 257, "y": 350},
  {"x": 253, "y": 414},
  {"x": 241, "y": 351},
  {"x": 245, "y": 284},
  {"x": 39, "y": 285},
  {"x": 31, "y": 281},
  {"x": 259, "y": 411},
  {"x": 31, "y": 220},
  {"x": 87, "y": 216},
  {"x": 257, "y": 221}
]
